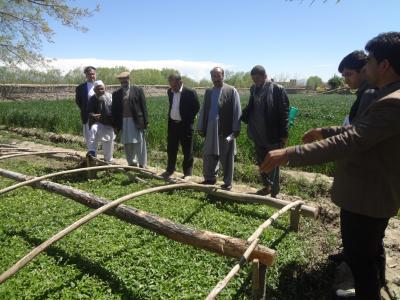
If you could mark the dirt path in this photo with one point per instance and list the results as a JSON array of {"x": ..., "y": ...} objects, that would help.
[{"x": 392, "y": 238}]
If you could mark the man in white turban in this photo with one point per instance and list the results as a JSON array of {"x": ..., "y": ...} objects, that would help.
[{"x": 100, "y": 122}]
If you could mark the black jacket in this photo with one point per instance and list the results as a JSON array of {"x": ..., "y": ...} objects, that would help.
[
  {"x": 137, "y": 104},
  {"x": 81, "y": 99},
  {"x": 277, "y": 119},
  {"x": 188, "y": 106},
  {"x": 99, "y": 107}
]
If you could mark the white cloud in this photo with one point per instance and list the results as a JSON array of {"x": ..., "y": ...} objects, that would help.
[{"x": 194, "y": 69}]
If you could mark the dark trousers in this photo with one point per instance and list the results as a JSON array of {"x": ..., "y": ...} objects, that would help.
[
  {"x": 272, "y": 178},
  {"x": 180, "y": 133},
  {"x": 362, "y": 238}
]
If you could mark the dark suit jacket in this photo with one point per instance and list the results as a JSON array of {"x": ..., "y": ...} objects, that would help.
[
  {"x": 367, "y": 155},
  {"x": 81, "y": 99},
  {"x": 188, "y": 106},
  {"x": 137, "y": 104},
  {"x": 276, "y": 119}
]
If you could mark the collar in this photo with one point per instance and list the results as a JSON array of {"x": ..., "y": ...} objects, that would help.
[
  {"x": 180, "y": 90},
  {"x": 388, "y": 89},
  {"x": 363, "y": 87}
]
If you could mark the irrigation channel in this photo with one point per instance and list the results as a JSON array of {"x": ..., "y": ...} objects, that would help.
[{"x": 260, "y": 256}]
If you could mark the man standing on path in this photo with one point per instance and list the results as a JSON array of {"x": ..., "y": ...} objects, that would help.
[
  {"x": 183, "y": 108},
  {"x": 129, "y": 111},
  {"x": 367, "y": 153},
  {"x": 351, "y": 67},
  {"x": 100, "y": 122},
  {"x": 219, "y": 123},
  {"x": 83, "y": 92},
  {"x": 267, "y": 116}
]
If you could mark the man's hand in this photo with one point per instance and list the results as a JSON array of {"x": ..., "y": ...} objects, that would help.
[
  {"x": 236, "y": 134},
  {"x": 273, "y": 159},
  {"x": 312, "y": 135}
]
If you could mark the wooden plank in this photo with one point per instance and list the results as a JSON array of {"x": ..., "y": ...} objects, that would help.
[{"x": 33, "y": 153}]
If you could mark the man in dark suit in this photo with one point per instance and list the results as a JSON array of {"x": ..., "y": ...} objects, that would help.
[
  {"x": 183, "y": 108},
  {"x": 129, "y": 113},
  {"x": 83, "y": 92},
  {"x": 367, "y": 153}
]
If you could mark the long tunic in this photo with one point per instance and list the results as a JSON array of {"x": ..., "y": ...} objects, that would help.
[
  {"x": 213, "y": 140},
  {"x": 130, "y": 133}
]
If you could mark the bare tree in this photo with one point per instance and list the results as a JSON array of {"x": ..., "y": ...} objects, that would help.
[{"x": 24, "y": 26}]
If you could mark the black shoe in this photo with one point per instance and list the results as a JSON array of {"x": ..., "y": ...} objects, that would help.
[
  {"x": 210, "y": 182},
  {"x": 167, "y": 174},
  {"x": 337, "y": 257},
  {"x": 187, "y": 173},
  {"x": 91, "y": 154},
  {"x": 264, "y": 191},
  {"x": 226, "y": 187}
]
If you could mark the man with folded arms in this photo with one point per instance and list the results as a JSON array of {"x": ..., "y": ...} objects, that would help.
[{"x": 100, "y": 122}]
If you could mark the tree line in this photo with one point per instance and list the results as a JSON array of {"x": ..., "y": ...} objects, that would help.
[{"x": 141, "y": 77}]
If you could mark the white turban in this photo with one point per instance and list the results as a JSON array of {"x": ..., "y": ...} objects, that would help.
[{"x": 97, "y": 83}]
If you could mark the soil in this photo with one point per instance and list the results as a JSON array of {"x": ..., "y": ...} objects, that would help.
[{"x": 329, "y": 219}]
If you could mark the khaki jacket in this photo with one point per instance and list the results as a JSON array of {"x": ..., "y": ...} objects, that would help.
[{"x": 367, "y": 153}]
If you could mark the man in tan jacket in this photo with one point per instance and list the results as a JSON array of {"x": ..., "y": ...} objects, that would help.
[{"x": 366, "y": 184}]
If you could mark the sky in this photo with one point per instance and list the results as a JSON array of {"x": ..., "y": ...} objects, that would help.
[{"x": 291, "y": 39}]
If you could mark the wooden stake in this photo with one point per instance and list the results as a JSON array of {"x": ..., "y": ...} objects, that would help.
[
  {"x": 255, "y": 279},
  {"x": 254, "y": 238},
  {"x": 295, "y": 218}
]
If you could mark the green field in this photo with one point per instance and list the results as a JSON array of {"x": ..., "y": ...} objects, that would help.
[
  {"x": 110, "y": 259},
  {"x": 63, "y": 117}
]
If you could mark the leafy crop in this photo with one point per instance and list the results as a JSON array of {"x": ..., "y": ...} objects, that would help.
[
  {"x": 110, "y": 259},
  {"x": 63, "y": 117}
]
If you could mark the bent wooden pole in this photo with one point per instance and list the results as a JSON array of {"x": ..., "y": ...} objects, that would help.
[
  {"x": 36, "y": 179},
  {"x": 35, "y": 252},
  {"x": 306, "y": 211},
  {"x": 253, "y": 239},
  {"x": 6, "y": 149},
  {"x": 33, "y": 153},
  {"x": 214, "y": 242}
]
